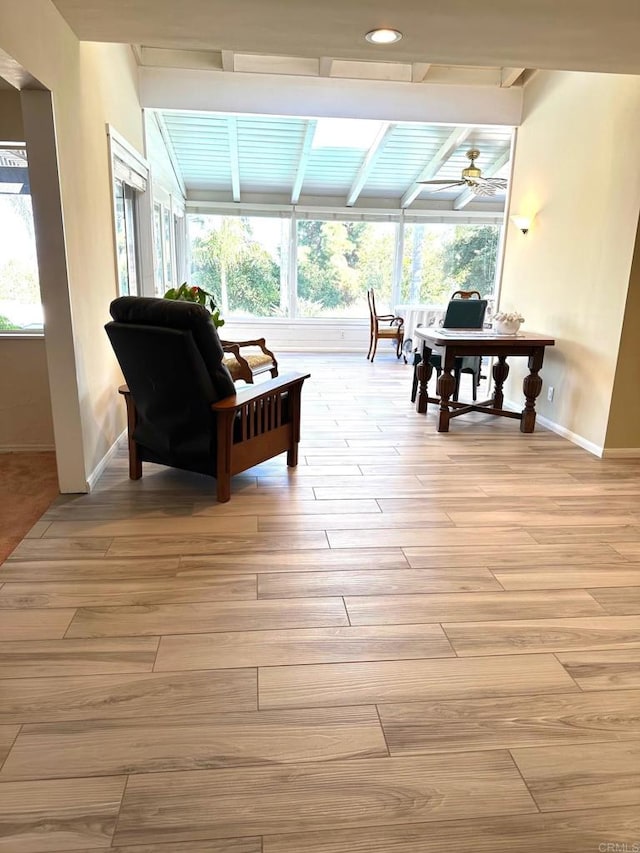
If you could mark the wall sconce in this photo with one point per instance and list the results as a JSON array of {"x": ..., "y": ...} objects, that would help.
[{"x": 522, "y": 222}]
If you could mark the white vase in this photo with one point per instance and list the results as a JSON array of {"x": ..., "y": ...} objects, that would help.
[{"x": 506, "y": 327}]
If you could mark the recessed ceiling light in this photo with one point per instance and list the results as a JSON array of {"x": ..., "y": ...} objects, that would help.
[{"x": 383, "y": 36}]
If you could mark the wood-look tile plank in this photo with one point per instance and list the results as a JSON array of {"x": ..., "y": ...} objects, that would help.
[
  {"x": 628, "y": 550},
  {"x": 263, "y": 800},
  {"x": 564, "y": 577},
  {"x": 8, "y": 735},
  {"x": 595, "y": 533},
  {"x": 207, "y": 616},
  {"x": 560, "y": 832},
  {"x": 514, "y": 721},
  {"x": 338, "y": 559},
  {"x": 532, "y": 556},
  {"x": 618, "y": 669},
  {"x": 104, "y": 568},
  {"x": 105, "y": 593},
  {"x": 401, "y": 487},
  {"x": 325, "y": 685},
  {"x": 543, "y": 635},
  {"x": 444, "y": 607},
  {"x": 356, "y": 521},
  {"x": 218, "y": 845},
  {"x": 594, "y": 774},
  {"x": 191, "y": 742},
  {"x": 180, "y": 526},
  {"x": 132, "y": 546},
  {"x": 59, "y": 549},
  {"x": 34, "y": 624},
  {"x": 77, "y": 657},
  {"x": 622, "y": 600},
  {"x": 411, "y": 537},
  {"x": 37, "y": 817},
  {"x": 373, "y": 582},
  {"x": 37, "y": 530},
  {"x": 301, "y": 645},
  {"x": 147, "y": 695},
  {"x": 531, "y": 518},
  {"x": 289, "y": 504}
]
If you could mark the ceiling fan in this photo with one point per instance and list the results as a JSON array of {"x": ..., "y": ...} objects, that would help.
[{"x": 471, "y": 178}]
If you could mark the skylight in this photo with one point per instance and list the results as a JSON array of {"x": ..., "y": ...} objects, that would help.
[{"x": 345, "y": 133}]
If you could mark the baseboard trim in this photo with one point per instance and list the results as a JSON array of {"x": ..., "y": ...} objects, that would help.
[
  {"x": 26, "y": 448},
  {"x": 573, "y": 437},
  {"x": 94, "y": 476},
  {"x": 621, "y": 452}
]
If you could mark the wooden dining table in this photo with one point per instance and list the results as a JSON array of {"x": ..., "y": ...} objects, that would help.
[{"x": 455, "y": 343}]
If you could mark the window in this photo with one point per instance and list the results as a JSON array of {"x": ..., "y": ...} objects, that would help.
[
  {"x": 158, "y": 265},
  {"x": 438, "y": 259},
  {"x": 321, "y": 268},
  {"x": 126, "y": 238},
  {"x": 239, "y": 261},
  {"x": 20, "y": 305},
  {"x": 130, "y": 173},
  {"x": 338, "y": 262}
]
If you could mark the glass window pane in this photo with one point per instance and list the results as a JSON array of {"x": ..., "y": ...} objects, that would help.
[
  {"x": 158, "y": 265},
  {"x": 239, "y": 261},
  {"x": 338, "y": 262},
  {"x": 439, "y": 259},
  {"x": 166, "y": 245},
  {"x": 20, "y": 305},
  {"x": 130, "y": 234}
]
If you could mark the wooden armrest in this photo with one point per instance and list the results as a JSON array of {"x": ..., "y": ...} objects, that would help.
[{"x": 256, "y": 392}]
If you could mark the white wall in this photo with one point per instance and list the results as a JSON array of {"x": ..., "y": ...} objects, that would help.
[
  {"x": 577, "y": 170},
  {"x": 92, "y": 84},
  {"x": 25, "y": 408}
]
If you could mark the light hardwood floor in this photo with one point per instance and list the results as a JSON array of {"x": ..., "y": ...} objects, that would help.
[{"x": 412, "y": 643}]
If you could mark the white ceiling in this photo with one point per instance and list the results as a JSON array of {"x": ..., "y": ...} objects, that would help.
[
  {"x": 587, "y": 35},
  {"x": 362, "y": 163}
]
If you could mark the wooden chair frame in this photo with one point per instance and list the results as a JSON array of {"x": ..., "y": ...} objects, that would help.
[
  {"x": 246, "y": 371},
  {"x": 376, "y": 332},
  {"x": 250, "y": 428}
]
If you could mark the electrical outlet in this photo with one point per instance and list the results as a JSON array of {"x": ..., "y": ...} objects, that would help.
[{"x": 550, "y": 392}]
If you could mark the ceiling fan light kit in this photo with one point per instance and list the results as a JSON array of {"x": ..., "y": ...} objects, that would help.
[{"x": 471, "y": 178}]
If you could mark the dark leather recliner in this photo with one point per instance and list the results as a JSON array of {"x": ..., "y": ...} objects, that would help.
[{"x": 183, "y": 409}]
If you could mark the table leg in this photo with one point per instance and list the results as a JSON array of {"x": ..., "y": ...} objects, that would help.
[
  {"x": 532, "y": 385},
  {"x": 500, "y": 373},
  {"x": 446, "y": 387},
  {"x": 423, "y": 371}
]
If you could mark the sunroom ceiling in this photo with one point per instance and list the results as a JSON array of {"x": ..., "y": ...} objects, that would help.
[{"x": 263, "y": 159}]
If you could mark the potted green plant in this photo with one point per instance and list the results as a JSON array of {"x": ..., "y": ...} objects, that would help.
[{"x": 188, "y": 293}]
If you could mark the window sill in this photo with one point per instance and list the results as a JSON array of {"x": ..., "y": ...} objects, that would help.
[{"x": 21, "y": 335}]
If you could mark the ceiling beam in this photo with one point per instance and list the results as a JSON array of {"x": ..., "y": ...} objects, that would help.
[
  {"x": 232, "y": 129},
  {"x": 448, "y": 147},
  {"x": 467, "y": 195},
  {"x": 370, "y": 159},
  {"x": 324, "y": 66},
  {"x": 305, "y": 153},
  {"x": 171, "y": 151},
  {"x": 228, "y": 60},
  {"x": 419, "y": 71},
  {"x": 508, "y": 76}
]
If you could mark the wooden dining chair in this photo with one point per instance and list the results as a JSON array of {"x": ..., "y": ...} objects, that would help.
[
  {"x": 394, "y": 331},
  {"x": 463, "y": 312}
]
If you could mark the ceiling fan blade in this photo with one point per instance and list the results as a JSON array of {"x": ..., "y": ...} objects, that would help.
[
  {"x": 449, "y": 186},
  {"x": 450, "y": 181},
  {"x": 499, "y": 183}
]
